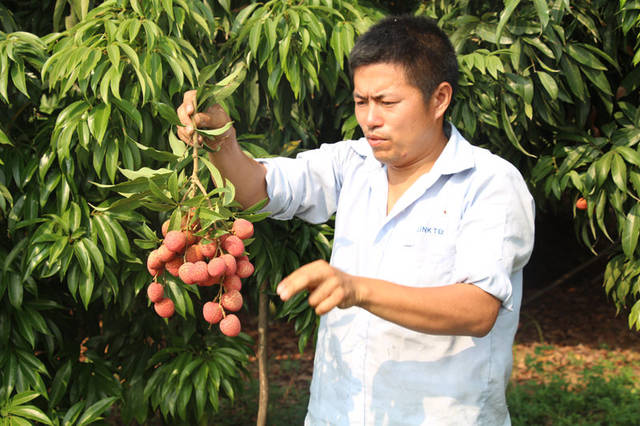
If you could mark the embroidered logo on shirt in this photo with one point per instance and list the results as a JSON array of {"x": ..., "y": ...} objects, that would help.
[{"x": 430, "y": 230}]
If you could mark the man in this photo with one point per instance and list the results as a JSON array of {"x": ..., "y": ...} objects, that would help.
[{"x": 420, "y": 301}]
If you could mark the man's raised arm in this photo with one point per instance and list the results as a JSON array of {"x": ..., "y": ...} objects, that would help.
[{"x": 246, "y": 174}]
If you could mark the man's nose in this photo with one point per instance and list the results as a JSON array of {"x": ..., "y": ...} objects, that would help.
[{"x": 374, "y": 117}]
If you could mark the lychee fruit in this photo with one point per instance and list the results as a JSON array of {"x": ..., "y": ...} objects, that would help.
[
  {"x": 242, "y": 229},
  {"x": 199, "y": 272},
  {"x": 233, "y": 245},
  {"x": 154, "y": 272},
  {"x": 193, "y": 253},
  {"x": 165, "y": 227},
  {"x": 153, "y": 261},
  {"x": 212, "y": 312},
  {"x": 581, "y": 204},
  {"x": 173, "y": 266},
  {"x": 232, "y": 282},
  {"x": 175, "y": 241},
  {"x": 155, "y": 292},
  {"x": 165, "y": 307},
  {"x": 185, "y": 272},
  {"x": 230, "y": 263},
  {"x": 244, "y": 268},
  {"x": 230, "y": 325},
  {"x": 232, "y": 300},
  {"x": 216, "y": 267},
  {"x": 209, "y": 250},
  {"x": 164, "y": 254}
]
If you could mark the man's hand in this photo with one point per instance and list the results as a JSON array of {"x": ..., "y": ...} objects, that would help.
[
  {"x": 328, "y": 287},
  {"x": 213, "y": 118}
]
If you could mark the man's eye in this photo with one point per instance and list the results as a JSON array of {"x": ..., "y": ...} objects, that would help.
[{"x": 388, "y": 103}]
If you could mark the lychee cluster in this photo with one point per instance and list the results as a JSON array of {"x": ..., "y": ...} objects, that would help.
[{"x": 205, "y": 262}]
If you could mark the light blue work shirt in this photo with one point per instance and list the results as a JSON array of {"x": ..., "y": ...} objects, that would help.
[{"x": 469, "y": 220}]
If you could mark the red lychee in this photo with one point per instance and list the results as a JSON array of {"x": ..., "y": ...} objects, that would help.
[
  {"x": 581, "y": 204},
  {"x": 216, "y": 267},
  {"x": 164, "y": 254},
  {"x": 209, "y": 250},
  {"x": 155, "y": 292},
  {"x": 242, "y": 229},
  {"x": 185, "y": 272},
  {"x": 233, "y": 245},
  {"x": 165, "y": 227},
  {"x": 212, "y": 312},
  {"x": 232, "y": 300},
  {"x": 230, "y": 262},
  {"x": 165, "y": 307},
  {"x": 173, "y": 266},
  {"x": 199, "y": 272},
  {"x": 193, "y": 253},
  {"x": 153, "y": 261},
  {"x": 175, "y": 241},
  {"x": 230, "y": 325},
  {"x": 232, "y": 282},
  {"x": 244, "y": 268}
]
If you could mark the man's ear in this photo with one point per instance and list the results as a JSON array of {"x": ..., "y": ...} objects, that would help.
[{"x": 441, "y": 99}]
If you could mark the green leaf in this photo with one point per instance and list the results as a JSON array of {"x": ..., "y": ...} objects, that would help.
[
  {"x": 120, "y": 236},
  {"x": 619, "y": 172},
  {"x": 85, "y": 287},
  {"x": 17, "y": 76},
  {"x": 98, "y": 121},
  {"x": 131, "y": 111},
  {"x": 95, "y": 255},
  {"x": 105, "y": 235},
  {"x": 31, "y": 412},
  {"x": 215, "y": 132},
  {"x": 60, "y": 383},
  {"x": 15, "y": 290},
  {"x": 4, "y": 139},
  {"x": 509, "y": 7},
  {"x": 506, "y": 125},
  {"x": 584, "y": 57},
  {"x": 215, "y": 173},
  {"x": 144, "y": 172},
  {"x": 168, "y": 113},
  {"x": 549, "y": 84},
  {"x": 573, "y": 77},
  {"x": 94, "y": 412},
  {"x": 630, "y": 231}
]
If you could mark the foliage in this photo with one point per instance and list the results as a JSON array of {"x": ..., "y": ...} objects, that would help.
[
  {"x": 91, "y": 167},
  {"x": 552, "y": 86}
]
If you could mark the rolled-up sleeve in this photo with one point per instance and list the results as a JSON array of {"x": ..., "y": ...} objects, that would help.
[
  {"x": 496, "y": 234},
  {"x": 307, "y": 186}
]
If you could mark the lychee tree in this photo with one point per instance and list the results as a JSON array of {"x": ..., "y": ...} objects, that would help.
[{"x": 91, "y": 169}]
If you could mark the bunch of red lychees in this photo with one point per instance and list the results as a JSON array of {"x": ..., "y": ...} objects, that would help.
[{"x": 204, "y": 262}]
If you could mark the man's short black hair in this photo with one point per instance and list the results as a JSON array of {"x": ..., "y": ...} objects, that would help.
[{"x": 415, "y": 43}]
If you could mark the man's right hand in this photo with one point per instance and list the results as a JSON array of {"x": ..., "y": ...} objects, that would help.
[{"x": 213, "y": 118}]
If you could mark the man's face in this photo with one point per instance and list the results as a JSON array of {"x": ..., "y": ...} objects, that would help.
[{"x": 401, "y": 128}]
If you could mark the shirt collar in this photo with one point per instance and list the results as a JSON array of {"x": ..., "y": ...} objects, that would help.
[{"x": 456, "y": 156}]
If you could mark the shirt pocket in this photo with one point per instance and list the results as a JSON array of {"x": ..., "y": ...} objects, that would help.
[{"x": 422, "y": 259}]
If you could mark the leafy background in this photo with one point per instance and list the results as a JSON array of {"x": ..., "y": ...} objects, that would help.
[{"x": 88, "y": 91}]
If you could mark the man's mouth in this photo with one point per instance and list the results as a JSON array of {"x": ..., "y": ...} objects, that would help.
[{"x": 375, "y": 140}]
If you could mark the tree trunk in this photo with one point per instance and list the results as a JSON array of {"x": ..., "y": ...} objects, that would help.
[{"x": 263, "y": 319}]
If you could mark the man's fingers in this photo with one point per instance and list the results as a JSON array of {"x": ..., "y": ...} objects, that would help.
[
  {"x": 324, "y": 290},
  {"x": 331, "y": 301},
  {"x": 305, "y": 277}
]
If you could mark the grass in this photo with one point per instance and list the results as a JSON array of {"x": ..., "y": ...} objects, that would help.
[
  {"x": 596, "y": 396},
  {"x": 593, "y": 400}
]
